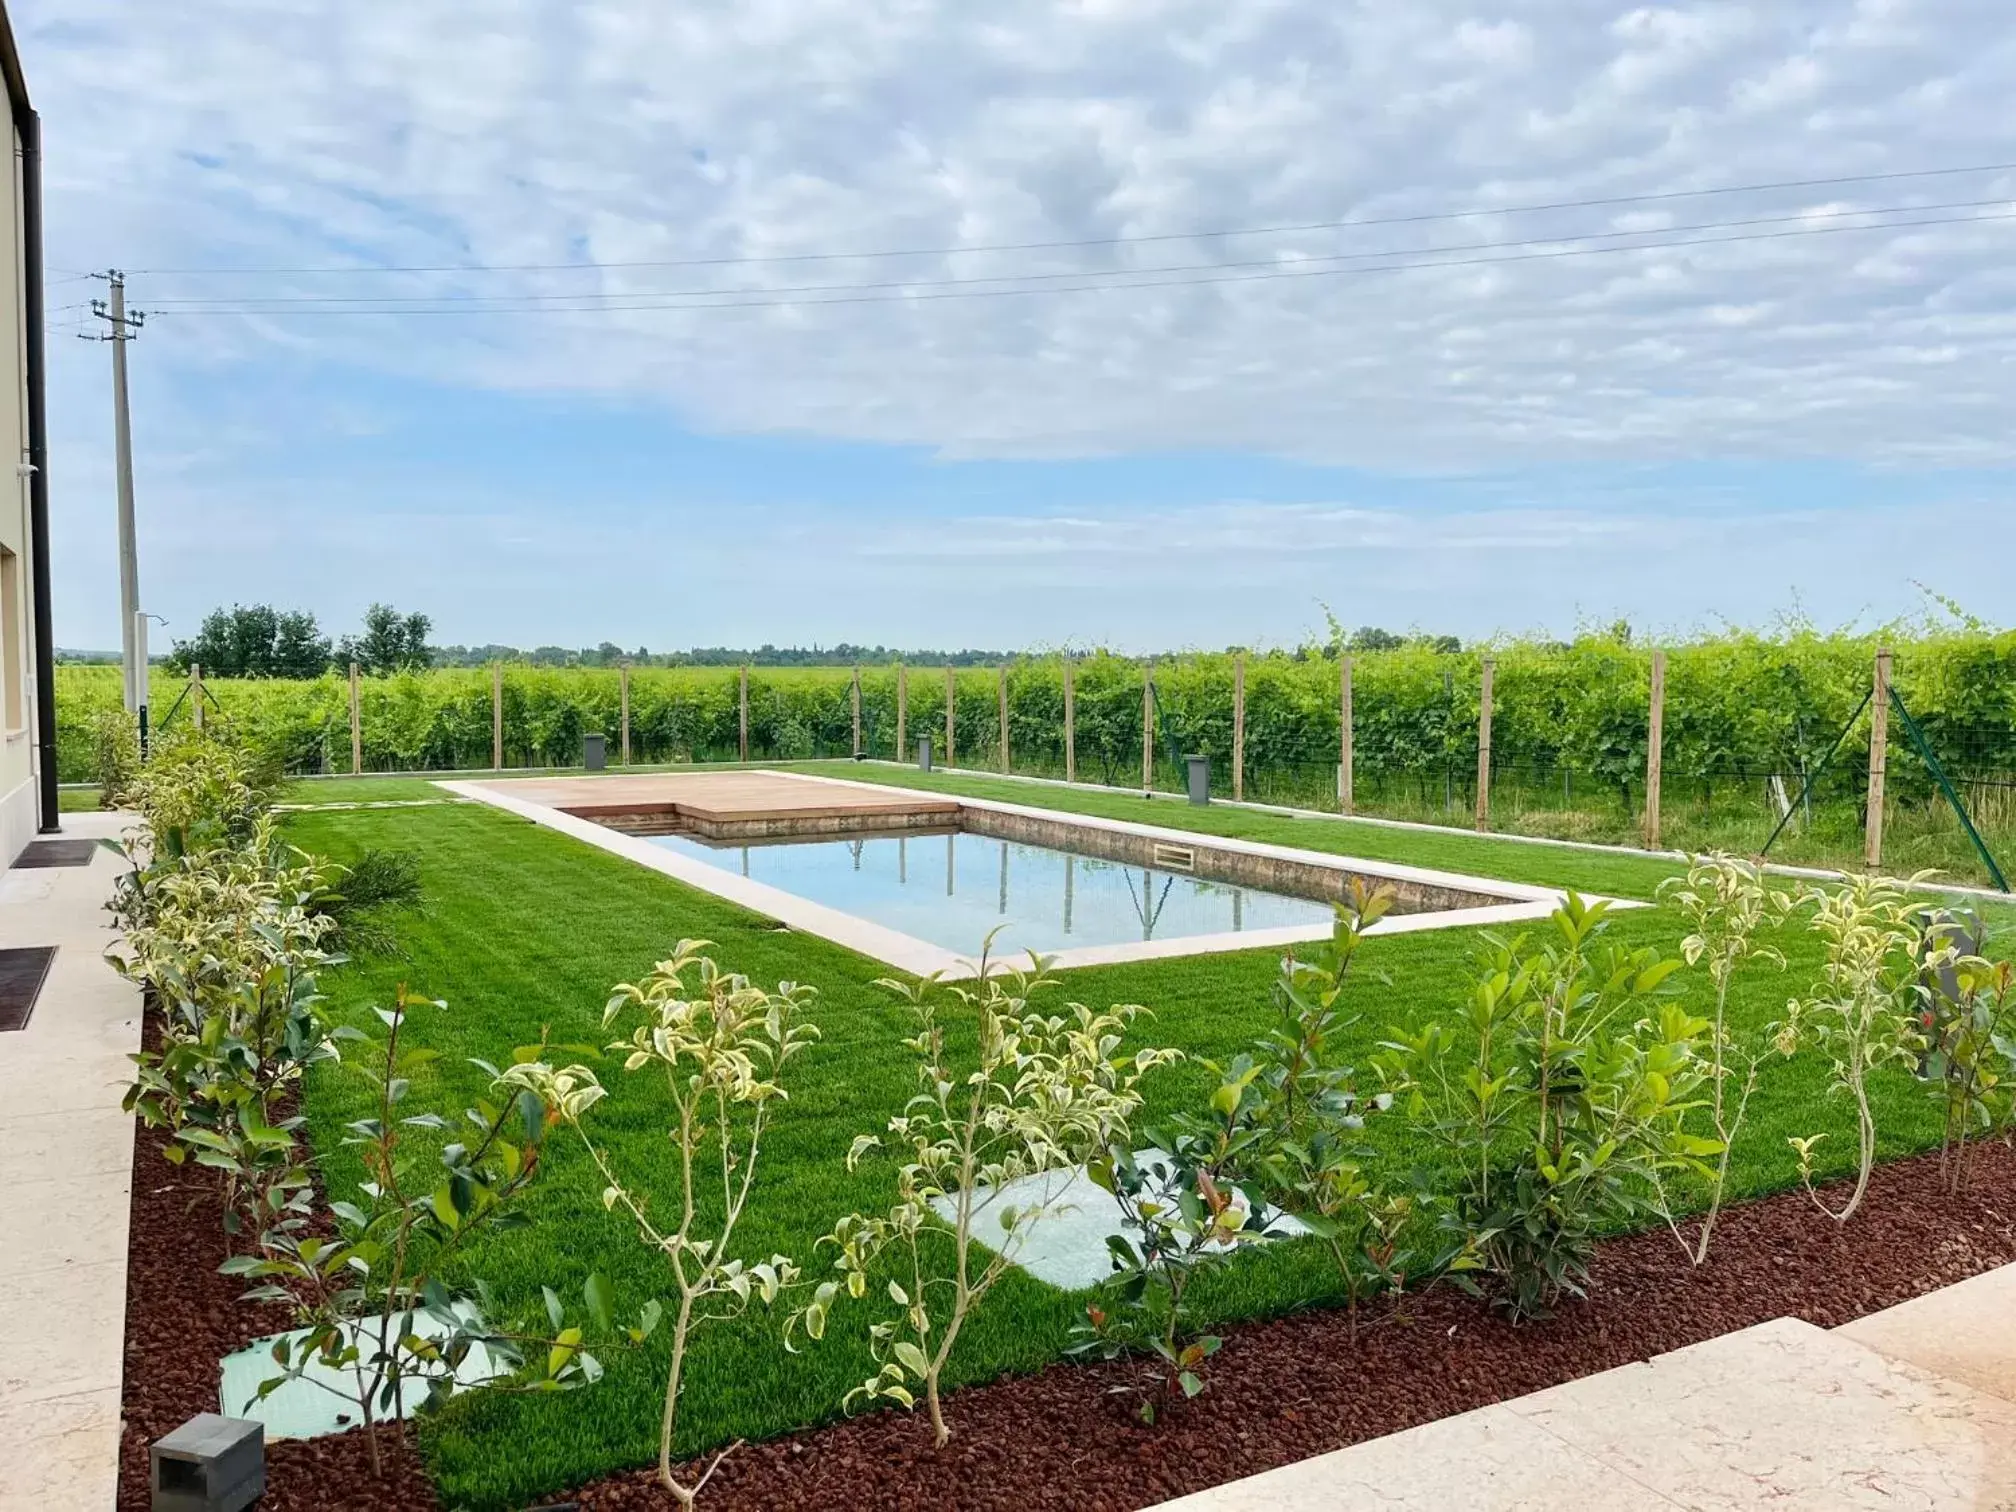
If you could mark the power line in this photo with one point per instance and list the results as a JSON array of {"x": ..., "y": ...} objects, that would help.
[
  {"x": 277, "y": 304},
  {"x": 1114, "y": 241},
  {"x": 1105, "y": 288}
]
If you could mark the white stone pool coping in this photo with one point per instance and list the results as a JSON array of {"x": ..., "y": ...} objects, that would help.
[{"x": 921, "y": 958}]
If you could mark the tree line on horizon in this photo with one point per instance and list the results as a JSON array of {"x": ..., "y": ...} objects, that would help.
[{"x": 260, "y": 641}]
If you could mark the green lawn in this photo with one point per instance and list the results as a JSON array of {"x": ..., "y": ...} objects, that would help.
[{"x": 525, "y": 929}]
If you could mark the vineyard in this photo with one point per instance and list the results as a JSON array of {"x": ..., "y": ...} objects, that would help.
[{"x": 1748, "y": 720}]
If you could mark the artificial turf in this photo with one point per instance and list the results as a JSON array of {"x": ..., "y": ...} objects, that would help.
[{"x": 525, "y": 930}]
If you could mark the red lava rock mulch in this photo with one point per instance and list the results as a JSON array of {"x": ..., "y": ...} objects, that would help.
[
  {"x": 1284, "y": 1390},
  {"x": 1280, "y": 1391},
  {"x": 182, "y": 1317}
]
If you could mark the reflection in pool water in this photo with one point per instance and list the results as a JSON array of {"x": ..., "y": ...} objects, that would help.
[{"x": 952, "y": 889}]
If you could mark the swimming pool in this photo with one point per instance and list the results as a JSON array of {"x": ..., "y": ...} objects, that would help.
[
  {"x": 918, "y": 880},
  {"x": 953, "y": 889}
]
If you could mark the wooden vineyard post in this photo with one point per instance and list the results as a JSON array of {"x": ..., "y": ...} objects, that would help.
[
  {"x": 902, "y": 706},
  {"x": 623, "y": 699},
  {"x": 742, "y": 717},
  {"x": 497, "y": 716},
  {"x": 857, "y": 713},
  {"x": 1879, "y": 748},
  {"x": 1655, "y": 750},
  {"x": 1002, "y": 687},
  {"x": 1346, "y": 796},
  {"x": 948, "y": 714},
  {"x": 1484, "y": 747},
  {"x": 356, "y": 725},
  {"x": 196, "y": 692},
  {"x": 1148, "y": 726},
  {"x": 1070, "y": 724},
  {"x": 1239, "y": 727}
]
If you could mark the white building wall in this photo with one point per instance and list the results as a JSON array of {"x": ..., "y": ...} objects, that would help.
[{"x": 17, "y": 664}]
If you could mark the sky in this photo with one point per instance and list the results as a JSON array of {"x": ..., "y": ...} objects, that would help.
[{"x": 1146, "y": 323}]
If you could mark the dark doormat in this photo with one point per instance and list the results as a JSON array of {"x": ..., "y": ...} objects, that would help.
[
  {"x": 22, "y": 972},
  {"x": 56, "y": 853}
]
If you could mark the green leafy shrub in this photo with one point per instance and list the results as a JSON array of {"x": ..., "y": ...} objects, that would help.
[
  {"x": 1180, "y": 1216},
  {"x": 357, "y": 898},
  {"x": 115, "y": 754},
  {"x": 378, "y": 1288},
  {"x": 226, "y": 942},
  {"x": 1559, "y": 1097},
  {"x": 1968, "y": 1030},
  {"x": 197, "y": 791}
]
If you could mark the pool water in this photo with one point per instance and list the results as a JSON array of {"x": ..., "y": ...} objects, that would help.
[{"x": 951, "y": 890}]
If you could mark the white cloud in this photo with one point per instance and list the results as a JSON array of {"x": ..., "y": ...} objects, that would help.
[
  {"x": 253, "y": 132},
  {"x": 308, "y": 133}
]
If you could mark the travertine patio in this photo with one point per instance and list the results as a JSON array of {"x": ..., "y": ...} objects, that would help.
[
  {"x": 1911, "y": 1408},
  {"x": 66, "y": 1157}
]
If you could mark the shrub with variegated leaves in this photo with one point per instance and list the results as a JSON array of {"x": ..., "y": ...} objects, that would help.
[
  {"x": 720, "y": 1044},
  {"x": 1042, "y": 1094}
]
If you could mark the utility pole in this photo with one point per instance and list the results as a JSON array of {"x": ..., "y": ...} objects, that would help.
[{"x": 124, "y": 328}]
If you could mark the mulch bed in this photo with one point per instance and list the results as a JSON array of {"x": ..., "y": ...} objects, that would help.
[
  {"x": 1280, "y": 1391},
  {"x": 182, "y": 1317}
]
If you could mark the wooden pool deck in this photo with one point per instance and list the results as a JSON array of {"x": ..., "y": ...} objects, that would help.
[{"x": 734, "y": 803}]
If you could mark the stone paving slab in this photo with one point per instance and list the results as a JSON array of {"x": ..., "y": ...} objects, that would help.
[
  {"x": 61, "y": 1453},
  {"x": 1792, "y": 1417},
  {"x": 1783, "y": 1415},
  {"x": 1966, "y": 1331},
  {"x": 1491, "y": 1458},
  {"x": 66, "y": 1156}
]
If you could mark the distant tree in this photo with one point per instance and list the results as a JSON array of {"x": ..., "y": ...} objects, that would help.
[
  {"x": 254, "y": 640},
  {"x": 1372, "y": 638},
  {"x": 300, "y": 649},
  {"x": 391, "y": 642}
]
